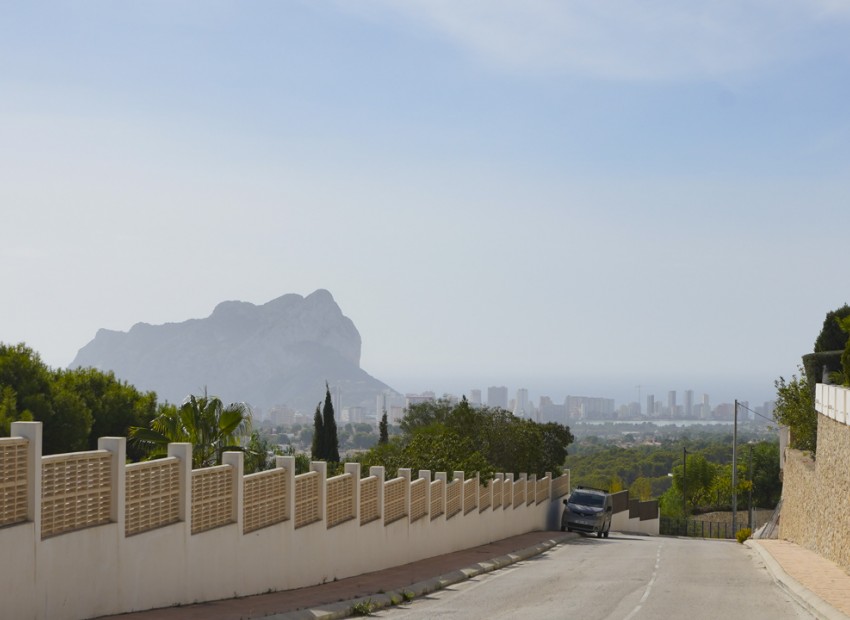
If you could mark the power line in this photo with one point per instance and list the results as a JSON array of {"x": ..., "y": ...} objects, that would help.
[{"x": 740, "y": 406}]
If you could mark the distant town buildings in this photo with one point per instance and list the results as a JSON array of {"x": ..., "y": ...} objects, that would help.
[{"x": 497, "y": 397}]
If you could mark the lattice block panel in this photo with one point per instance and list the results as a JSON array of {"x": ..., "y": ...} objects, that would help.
[
  {"x": 507, "y": 494},
  {"x": 561, "y": 486},
  {"x": 212, "y": 497},
  {"x": 152, "y": 495},
  {"x": 437, "y": 500},
  {"x": 394, "y": 508},
  {"x": 453, "y": 498},
  {"x": 543, "y": 489},
  {"x": 76, "y": 491},
  {"x": 368, "y": 500},
  {"x": 13, "y": 480},
  {"x": 519, "y": 493},
  {"x": 470, "y": 498},
  {"x": 484, "y": 498},
  {"x": 264, "y": 500},
  {"x": 497, "y": 493},
  {"x": 306, "y": 499},
  {"x": 418, "y": 505},
  {"x": 340, "y": 499}
]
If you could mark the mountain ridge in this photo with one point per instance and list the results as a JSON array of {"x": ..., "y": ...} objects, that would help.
[{"x": 274, "y": 354}]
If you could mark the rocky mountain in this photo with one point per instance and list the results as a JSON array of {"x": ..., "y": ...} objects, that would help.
[{"x": 279, "y": 353}]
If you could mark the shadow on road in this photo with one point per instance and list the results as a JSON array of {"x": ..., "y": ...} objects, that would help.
[{"x": 591, "y": 539}]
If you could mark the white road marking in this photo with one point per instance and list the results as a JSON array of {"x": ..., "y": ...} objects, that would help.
[{"x": 648, "y": 585}]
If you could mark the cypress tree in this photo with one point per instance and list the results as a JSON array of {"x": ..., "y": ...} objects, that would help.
[
  {"x": 331, "y": 439},
  {"x": 383, "y": 430},
  {"x": 318, "y": 449}
]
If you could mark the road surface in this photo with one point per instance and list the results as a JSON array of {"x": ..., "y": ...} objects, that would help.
[{"x": 623, "y": 577}]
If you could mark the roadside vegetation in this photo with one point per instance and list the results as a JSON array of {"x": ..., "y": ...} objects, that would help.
[
  {"x": 655, "y": 470},
  {"x": 446, "y": 436}
]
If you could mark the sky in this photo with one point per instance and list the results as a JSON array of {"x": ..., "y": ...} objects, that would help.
[{"x": 578, "y": 197}]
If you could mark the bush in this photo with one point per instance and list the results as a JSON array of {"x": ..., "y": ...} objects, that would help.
[{"x": 743, "y": 534}]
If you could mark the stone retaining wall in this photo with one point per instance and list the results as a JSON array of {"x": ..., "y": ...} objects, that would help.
[{"x": 816, "y": 494}]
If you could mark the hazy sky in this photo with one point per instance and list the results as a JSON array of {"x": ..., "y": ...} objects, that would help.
[{"x": 575, "y": 196}]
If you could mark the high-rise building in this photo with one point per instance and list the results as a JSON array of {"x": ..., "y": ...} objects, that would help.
[
  {"x": 474, "y": 397},
  {"x": 521, "y": 405},
  {"x": 497, "y": 397},
  {"x": 706, "y": 407},
  {"x": 650, "y": 405},
  {"x": 671, "y": 403},
  {"x": 689, "y": 403}
]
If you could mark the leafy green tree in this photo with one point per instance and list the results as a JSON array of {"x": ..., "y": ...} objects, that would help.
[
  {"x": 331, "y": 442},
  {"x": 65, "y": 417},
  {"x": 697, "y": 482},
  {"x": 204, "y": 421},
  {"x": 844, "y": 323},
  {"x": 302, "y": 461},
  {"x": 767, "y": 486},
  {"x": 795, "y": 409},
  {"x": 641, "y": 489},
  {"x": 504, "y": 442},
  {"x": 436, "y": 448},
  {"x": 115, "y": 405},
  {"x": 832, "y": 336},
  {"x": 383, "y": 430},
  {"x": 318, "y": 450},
  {"x": 260, "y": 453}
]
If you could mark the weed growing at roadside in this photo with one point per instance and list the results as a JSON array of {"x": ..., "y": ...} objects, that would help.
[{"x": 363, "y": 608}]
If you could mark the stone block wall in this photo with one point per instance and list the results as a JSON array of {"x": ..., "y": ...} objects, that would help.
[{"x": 816, "y": 494}]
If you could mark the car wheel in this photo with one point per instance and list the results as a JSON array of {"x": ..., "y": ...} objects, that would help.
[
  {"x": 606, "y": 532},
  {"x": 599, "y": 534}
]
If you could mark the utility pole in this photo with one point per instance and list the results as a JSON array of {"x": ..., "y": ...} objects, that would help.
[
  {"x": 750, "y": 492},
  {"x": 685, "y": 485},
  {"x": 735, "y": 472}
]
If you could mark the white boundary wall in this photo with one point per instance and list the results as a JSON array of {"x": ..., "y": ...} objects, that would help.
[
  {"x": 833, "y": 401},
  {"x": 100, "y": 571}
]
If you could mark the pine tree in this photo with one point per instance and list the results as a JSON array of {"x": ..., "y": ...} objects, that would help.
[
  {"x": 318, "y": 449},
  {"x": 331, "y": 440},
  {"x": 383, "y": 436}
]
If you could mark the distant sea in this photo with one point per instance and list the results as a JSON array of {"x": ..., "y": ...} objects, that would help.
[{"x": 660, "y": 422}]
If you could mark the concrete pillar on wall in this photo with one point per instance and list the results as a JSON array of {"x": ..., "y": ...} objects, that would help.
[
  {"x": 322, "y": 468},
  {"x": 354, "y": 470},
  {"x": 378, "y": 472},
  {"x": 288, "y": 463},
  {"x": 237, "y": 461},
  {"x": 458, "y": 475},
  {"x": 549, "y": 486},
  {"x": 441, "y": 475},
  {"x": 406, "y": 473},
  {"x": 523, "y": 478},
  {"x": 118, "y": 468},
  {"x": 501, "y": 479},
  {"x": 426, "y": 475},
  {"x": 32, "y": 431},
  {"x": 508, "y": 491},
  {"x": 183, "y": 451},
  {"x": 533, "y": 495}
]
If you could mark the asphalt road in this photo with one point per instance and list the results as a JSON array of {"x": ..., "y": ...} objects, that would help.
[{"x": 623, "y": 577}]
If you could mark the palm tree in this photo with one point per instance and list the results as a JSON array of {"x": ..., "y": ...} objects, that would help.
[{"x": 204, "y": 422}]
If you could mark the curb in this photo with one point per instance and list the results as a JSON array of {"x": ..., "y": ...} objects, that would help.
[
  {"x": 807, "y": 599},
  {"x": 344, "y": 609}
]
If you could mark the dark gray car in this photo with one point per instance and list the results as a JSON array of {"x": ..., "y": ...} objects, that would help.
[{"x": 588, "y": 510}]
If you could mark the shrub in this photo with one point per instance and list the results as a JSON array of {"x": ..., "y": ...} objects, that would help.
[{"x": 743, "y": 534}]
